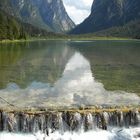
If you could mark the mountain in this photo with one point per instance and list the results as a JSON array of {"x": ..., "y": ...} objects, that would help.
[
  {"x": 109, "y": 13},
  {"x": 131, "y": 29},
  {"x": 46, "y": 14},
  {"x": 12, "y": 28}
]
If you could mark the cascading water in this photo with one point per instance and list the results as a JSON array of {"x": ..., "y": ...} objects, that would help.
[{"x": 68, "y": 123}]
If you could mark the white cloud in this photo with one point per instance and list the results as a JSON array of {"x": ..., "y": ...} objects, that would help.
[{"x": 78, "y": 10}]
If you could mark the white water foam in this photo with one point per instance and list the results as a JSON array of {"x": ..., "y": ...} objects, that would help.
[{"x": 113, "y": 134}]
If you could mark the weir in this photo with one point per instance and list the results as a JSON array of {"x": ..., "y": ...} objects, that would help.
[{"x": 73, "y": 120}]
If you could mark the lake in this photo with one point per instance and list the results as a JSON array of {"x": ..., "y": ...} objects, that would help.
[
  {"x": 70, "y": 73},
  {"x": 64, "y": 74}
]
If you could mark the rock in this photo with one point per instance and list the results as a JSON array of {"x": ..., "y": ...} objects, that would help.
[
  {"x": 109, "y": 13},
  {"x": 45, "y": 14}
]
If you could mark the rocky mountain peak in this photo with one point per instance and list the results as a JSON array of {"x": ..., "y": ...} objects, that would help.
[
  {"x": 46, "y": 14},
  {"x": 109, "y": 13}
]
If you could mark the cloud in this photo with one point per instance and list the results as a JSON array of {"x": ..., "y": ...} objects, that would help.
[{"x": 78, "y": 10}]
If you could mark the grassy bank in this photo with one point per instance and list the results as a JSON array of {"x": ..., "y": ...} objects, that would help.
[{"x": 69, "y": 38}]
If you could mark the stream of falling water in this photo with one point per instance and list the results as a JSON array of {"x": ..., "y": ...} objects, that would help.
[{"x": 70, "y": 126}]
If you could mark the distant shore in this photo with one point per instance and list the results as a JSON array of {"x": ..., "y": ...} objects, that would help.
[{"x": 66, "y": 38}]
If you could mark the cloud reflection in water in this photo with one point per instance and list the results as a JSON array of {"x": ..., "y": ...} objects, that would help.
[{"x": 77, "y": 86}]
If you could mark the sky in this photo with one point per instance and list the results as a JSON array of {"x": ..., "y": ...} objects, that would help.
[{"x": 78, "y": 10}]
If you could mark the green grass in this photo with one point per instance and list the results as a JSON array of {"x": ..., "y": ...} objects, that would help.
[{"x": 63, "y": 37}]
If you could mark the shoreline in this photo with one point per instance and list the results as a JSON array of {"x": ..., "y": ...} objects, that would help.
[{"x": 67, "y": 38}]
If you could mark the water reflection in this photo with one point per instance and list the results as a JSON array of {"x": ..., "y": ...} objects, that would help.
[
  {"x": 42, "y": 61},
  {"x": 77, "y": 86},
  {"x": 116, "y": 64}
]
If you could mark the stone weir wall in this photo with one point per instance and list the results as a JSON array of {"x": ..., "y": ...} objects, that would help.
[{"x": 67, "y": 120}]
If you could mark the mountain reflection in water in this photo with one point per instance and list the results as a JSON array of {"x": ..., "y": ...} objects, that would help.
[{"x": 77, "y": 86}]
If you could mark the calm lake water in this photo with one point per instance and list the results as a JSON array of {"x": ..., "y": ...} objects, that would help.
[{"x": 66, "y": 73}]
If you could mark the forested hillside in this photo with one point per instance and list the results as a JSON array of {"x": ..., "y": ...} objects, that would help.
[
  {"x": 131, "y": 29},
  {"x": 12, "y": 28}
]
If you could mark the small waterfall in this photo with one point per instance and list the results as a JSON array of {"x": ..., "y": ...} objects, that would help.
[{"x": 48, "y": 122}]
